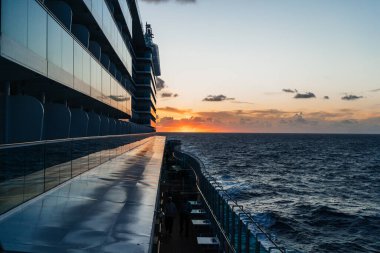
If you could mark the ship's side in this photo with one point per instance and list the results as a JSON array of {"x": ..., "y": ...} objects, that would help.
[{"x": 75, "y": 68}]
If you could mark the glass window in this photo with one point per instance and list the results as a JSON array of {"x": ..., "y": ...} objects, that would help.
[
  {"x": 37, "y": 28},
  {"x": 86, "y": 67},
  {"x": 14, "y": 21},
  {"x": 78, "y": 59},
  {"x": 54, "y": 42},
  {"x": 67, "y": 52}
]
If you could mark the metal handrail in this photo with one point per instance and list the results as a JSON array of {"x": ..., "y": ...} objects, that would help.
[
  {"x": 241, "y": 209},
  {"x": 212, "y": 213},
  {"x": 33, "y": 143}
]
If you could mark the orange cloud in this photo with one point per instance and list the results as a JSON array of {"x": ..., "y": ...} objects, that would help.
[
  {"x": 194, "y": 124},
  {"x": 173, "y": 110},
  {"x": 272, "y": 120}
]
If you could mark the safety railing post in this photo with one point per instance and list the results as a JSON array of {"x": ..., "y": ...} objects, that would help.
[
  {"x": 257, "y": 244},
  {"x": 233, "y": 228},
  {"x": 247, "y": 238},
  {"x": 239, "y": 235}
]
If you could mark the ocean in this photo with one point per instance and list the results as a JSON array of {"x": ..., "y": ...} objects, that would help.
[{"x": 313, "y": 192}]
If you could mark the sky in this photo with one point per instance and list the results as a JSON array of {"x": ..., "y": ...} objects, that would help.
[{"x": 267, "y": 65}]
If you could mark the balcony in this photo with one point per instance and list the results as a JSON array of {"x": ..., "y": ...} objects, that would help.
[
  {"x": 44, "y": 45},
  {"x": 147, "y": 98},
  {"x": 108, "y": 25},
  {"x": 147, "y": 56},
  {"x": 147, "y": 110}
]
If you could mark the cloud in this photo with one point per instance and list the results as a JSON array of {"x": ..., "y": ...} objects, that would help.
[
  {"x": 305, "y": 95},
  {"x": 164, "y": 1},
  {"x": 351, "y": 97},
  {"x": 375, "y": 90},
  {"x": 242, "y": 102},
  {"x": 160, "y": 84},
  {"x": 349, "y": 121},
  {"x": 326, "y": 97},
  {"x": 289, "y": 90},
  {"x": 174, "y": 110},
  {"x": 298, "y": 117},
  {"x": 169, "y": 95},
  {"x": 217, "y": 98},
  {"x": 270, "y": 120}
]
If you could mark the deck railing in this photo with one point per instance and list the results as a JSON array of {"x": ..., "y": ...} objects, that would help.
[
  {"x": 30, "y": 169},
  {"x": 236, "y": 229}
]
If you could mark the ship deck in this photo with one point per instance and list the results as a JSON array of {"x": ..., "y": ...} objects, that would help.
[{"x": 107, "y": 209}]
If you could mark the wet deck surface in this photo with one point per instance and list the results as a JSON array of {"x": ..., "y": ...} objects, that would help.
[{"x": 107, "y": 209}]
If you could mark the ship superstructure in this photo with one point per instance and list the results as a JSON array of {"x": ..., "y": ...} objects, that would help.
[{"x": 75, "y": 68}]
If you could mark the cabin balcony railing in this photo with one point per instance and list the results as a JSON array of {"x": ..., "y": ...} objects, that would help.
[
  {"x": 236, "y": 229},
  {"x": 30, "y": 169}
]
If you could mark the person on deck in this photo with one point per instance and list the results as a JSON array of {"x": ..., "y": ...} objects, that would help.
[
  {"x": 185, "y": 217},
  {"x": 170, "y": 213}
]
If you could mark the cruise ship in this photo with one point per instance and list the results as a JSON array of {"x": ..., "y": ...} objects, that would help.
[
  {"x": 75, "y": 69},
  {"x": 78, "y": 104},
  {"x": 81, "y": 167}
]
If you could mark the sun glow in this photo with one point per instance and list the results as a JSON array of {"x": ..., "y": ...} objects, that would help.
[{"x": 189, "y": 128}]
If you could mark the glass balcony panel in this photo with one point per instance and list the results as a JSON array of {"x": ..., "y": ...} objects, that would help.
[
  {"x": 37, "y": 28},
  {"x": 127, "y": 14},
  {"x": 11, "y": 177},
  {"x": 88, "y": 3},
  {"x": 26, "y": 171},
  {"x": 57, "y": 163},
  {"x": 54, "y": 42},
  {"x": 114, "y": 94},
  {"x": 106, "y": 83},
  {"x": 123, "y": 53},
  {"x": 67, "y": 52},
  {"x": 80, "y": 157},
  {"x": 94, "y": 149},
  {"x": 33, "y": 171},
  {"x": 78, "y": 63},
  {"x": 97, "y": 10},
  {"x": 14, "y": 22},
  {"x": 128, "y": 101},
  {"x": 107, "y": 21},
  {"x": 105, "y": 153},
  {"x": 120, "y": 44},
  {"x": 86, "y": 68},
  {"x": 96, "y": 80}
]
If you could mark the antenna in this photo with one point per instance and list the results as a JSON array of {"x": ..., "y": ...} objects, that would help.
[{"x": 148, "y": 30}]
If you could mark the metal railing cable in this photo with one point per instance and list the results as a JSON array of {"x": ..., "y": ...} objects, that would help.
[{"x": 199, "y": 169}]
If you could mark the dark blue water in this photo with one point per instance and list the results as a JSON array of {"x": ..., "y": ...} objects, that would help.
[{"x": 316, "y": 193}]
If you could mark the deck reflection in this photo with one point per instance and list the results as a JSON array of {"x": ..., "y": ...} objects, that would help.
[{"x": 107, "y": 209}]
